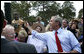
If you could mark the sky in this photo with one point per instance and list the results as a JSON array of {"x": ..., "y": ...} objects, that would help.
[{"x": 77, "y": 4}]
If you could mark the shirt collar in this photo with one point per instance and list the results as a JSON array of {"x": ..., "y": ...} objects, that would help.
[
  {"x": 59, "y": 30},
  {"x": 2, "y": 36},
  {"x": 65, "y": 28}
]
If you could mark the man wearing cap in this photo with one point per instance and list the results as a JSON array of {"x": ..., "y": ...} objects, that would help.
[{"x": 59, "y": 40}]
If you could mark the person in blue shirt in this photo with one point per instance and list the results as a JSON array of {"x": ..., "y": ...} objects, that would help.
[{"x": 67, "y": 39}]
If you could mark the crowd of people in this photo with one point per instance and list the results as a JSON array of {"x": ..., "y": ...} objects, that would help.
[{"x": 59, "y": 36}]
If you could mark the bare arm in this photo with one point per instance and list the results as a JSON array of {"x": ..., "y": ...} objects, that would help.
[{"x": 74, "y": 51}]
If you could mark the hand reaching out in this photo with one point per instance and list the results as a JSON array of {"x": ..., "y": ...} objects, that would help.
[{"x": 26, "y": 24}]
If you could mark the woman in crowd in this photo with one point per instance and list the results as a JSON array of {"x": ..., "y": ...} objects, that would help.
[
  {"x": 40, "y": 45},
  {"x": 22, "y": 36}
]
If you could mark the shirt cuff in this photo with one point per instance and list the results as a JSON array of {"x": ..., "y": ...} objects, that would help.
[
  {"x": 78, "y": 48},
  {"x": 33, "y": 32}
]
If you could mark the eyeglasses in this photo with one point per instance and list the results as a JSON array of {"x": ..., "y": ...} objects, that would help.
[{"x": 11, "y": 34}]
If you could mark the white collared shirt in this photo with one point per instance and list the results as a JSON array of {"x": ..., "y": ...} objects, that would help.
[
  {"x": 39, "y": 45},
  {"x": 2, "y": 36},
  {"x": 65, "y": 28},
  {"x": 67, "y": 40}
]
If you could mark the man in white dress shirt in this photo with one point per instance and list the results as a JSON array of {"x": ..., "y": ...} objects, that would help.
[{"x": 67, "y": 39}]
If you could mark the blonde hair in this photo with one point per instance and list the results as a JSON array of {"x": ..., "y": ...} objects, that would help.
[{"x": 22, "y": 33}]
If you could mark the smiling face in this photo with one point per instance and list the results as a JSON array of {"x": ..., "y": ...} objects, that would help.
[
  {"x": 73, "y": 26},
  {"x": 38, "y": 29},
  {"x": 54, "y": 24}
]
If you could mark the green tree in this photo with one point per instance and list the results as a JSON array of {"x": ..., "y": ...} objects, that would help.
[
  {"x": 23, "y": 8},
  {"x": 46, "y": 9},
  {"x": 53, "y": 10},
  {"x": 68, "y": 10},
  {"x": 80, "y": 13}
]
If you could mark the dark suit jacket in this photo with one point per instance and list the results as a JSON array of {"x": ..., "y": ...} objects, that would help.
[{"x": 13, "y": 47}]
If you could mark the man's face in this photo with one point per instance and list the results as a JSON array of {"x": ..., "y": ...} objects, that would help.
[
  {"x": 53, "y": 24},
  {"x": 10, "y": 35},
  {"x": 16, "y": 17},
  {"x": 64, "y": 23}
]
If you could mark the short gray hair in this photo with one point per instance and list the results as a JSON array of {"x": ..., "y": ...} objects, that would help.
[
  {"x": 7, "y": 28},
  {"x": 57, "y": 19}
]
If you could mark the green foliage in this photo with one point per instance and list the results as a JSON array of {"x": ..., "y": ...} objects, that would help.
[
  {"x": 45, "y": 9},
  {"x": 31, "y": 19},
  {"x": 80, "y": 13},
  {"x": 68, "y": 11},
  {"x": 22, "y": 8}
]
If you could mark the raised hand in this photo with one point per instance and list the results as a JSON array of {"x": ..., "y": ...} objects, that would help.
[{"x": 26, "y": 24}]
